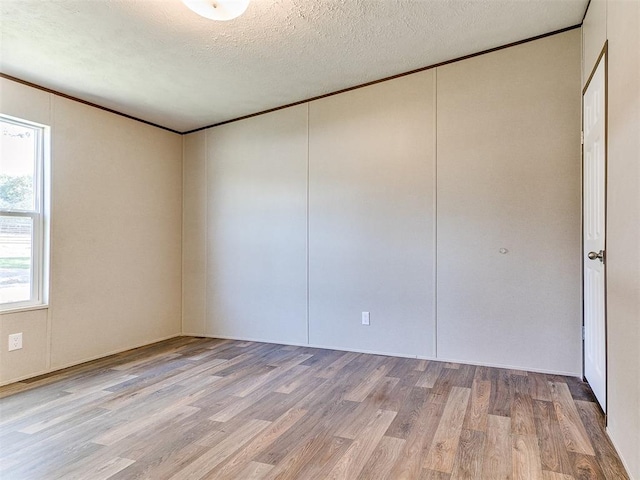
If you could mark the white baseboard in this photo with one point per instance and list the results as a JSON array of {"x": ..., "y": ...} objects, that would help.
[
  {"x": 262, "y": 340},
  {"x": 387, "y": 354},
  {"x": 90, "y": 359},
  {"x": 187, "y": 334},
  {"x": 24, "y": 377},
  {"x": 508, "y": 367},
  {"x": 310, "y": 345}
]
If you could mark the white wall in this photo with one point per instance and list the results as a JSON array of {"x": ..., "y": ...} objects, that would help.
[
  {"x": 372, "y": 168},
  {"x": 256, "y": 256},
  {"x": 594, "y": 29},
  {"x": 509, "y": 178},
  {"x": 618, "y": 22},
  {"x": 194, "y": 233},
  {"x": 115, "y": 236},
  {"x": 372, "y": 217}
]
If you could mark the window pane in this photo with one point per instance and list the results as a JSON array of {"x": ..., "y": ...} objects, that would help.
[
  {"x": 15, "y": 259},
  {"x": 18, "y": 153}
]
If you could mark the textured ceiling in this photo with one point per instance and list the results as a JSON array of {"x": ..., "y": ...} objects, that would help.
[{"x": 158, "y": 61}]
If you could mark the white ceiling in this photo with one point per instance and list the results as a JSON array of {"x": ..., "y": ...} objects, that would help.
[{"x": 158, "y": 61}]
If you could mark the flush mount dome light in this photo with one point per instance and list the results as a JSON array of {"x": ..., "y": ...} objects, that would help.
[{"x": 218, "y": 9}]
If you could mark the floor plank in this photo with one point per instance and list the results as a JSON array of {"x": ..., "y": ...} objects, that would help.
[
  {"x": 575, "y": 436},
  {"x": 206, "y": 408},
  {"x": 220, "y": 451},
  {"x": 553, "y": 454},
  {"x": 445, "y": 443},
  {"x": 469, "y": 458},
  {"x": 383, "y": 458},
  {"x": 419, "y": 439},
  {"x": 497, "y": 455},
  {"x": 478, "y": 410},
  {"x": 526, "y": 457},
  {"x": 356, "y": 456},
  {"x": 231, "y": 469},
  {"x": 586, "y": 467},
  {"x": 606, "y": 455}
]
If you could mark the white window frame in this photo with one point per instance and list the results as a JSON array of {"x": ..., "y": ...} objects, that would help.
[{"x": 39, "y": 217}]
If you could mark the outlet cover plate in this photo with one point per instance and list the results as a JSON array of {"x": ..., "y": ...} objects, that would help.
[
  {"x": 15, "y": 341},
  {"x": 365, "y": 318}
]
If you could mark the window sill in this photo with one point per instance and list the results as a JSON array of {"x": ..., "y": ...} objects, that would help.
[{"x": 26, "y": 308}]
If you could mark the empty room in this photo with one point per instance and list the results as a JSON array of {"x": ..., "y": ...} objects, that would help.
[{"x": 332, "y": 239}]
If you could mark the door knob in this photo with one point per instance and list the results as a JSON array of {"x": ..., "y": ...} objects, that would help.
[{"x": 594, "y": 255}]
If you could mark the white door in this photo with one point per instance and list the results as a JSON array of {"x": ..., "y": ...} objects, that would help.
[{"x": 594, "y": 191}]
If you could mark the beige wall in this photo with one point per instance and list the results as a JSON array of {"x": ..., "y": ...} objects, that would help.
[
  {"x": 594, "y": 35},
  {"x": 372, "y": 217},
  {"x": 510, "y": 179},
  {"x": 618, "y": 22},
  {"x": 33, "y": 359},
  {"x": 115, "y": 236},
  {"x": 256, "y": 278},
  {"x": 194, "y": 235}
]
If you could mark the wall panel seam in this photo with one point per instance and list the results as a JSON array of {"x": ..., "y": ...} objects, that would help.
[
  {"x": 182, "y": 231},
  {"x": 435, "y": 211},
  {"x": 205, "y": 320},
  {"x": 50, "y": 301},
  {"x": 308, "y": 209}
]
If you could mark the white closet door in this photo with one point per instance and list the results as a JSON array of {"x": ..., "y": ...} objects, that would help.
[{"x": 594, "y": 182}]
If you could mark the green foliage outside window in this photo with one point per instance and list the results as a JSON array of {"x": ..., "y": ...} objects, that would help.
[{"x": 15, "y": 192}]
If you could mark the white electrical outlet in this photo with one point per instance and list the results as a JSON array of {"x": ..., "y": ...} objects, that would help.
[
  {"x": 365, "y": 318},
  {"x": 15, "y": 341}
]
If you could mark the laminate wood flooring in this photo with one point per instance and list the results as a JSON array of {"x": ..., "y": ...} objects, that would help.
[{"x": 196, "y": 408}]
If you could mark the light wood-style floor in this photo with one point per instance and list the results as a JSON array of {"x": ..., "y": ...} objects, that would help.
[{"x": 192, "y": 408}]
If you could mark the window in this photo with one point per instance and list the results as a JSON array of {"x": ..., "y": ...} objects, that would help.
[{"x": 23, "y": 203}]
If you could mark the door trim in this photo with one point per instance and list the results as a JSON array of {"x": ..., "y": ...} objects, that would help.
[{"x": 603, "y": 56}]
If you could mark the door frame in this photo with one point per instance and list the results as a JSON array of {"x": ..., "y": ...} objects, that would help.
[{"x": 603, "y": 56}]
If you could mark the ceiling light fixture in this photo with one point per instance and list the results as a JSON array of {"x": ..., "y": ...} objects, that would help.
[{"x": 218, "y": 9}]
